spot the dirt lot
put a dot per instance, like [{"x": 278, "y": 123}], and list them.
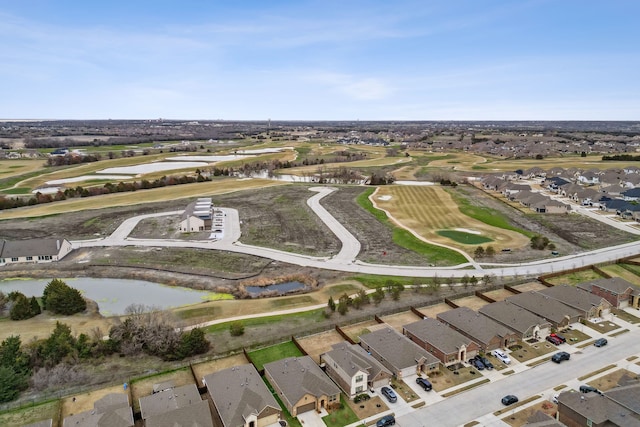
[
  {"x": 472, "y": 302},
  {"x": 206, "y": 368},
  {"x": 84, "y": 401},
  {"x": 357, "y": 329},
  {"x": 499, "y": 294},
  {"x": 531, "y": 286},
  {"x": 432, "y": 311},
  {"x": 398, "y": 320},
  {"x": 320, "y": 343}
]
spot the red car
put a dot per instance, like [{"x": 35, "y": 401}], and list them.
[
  {"x": 554, "y": 340},
  {"x": 560, "y": 337}
]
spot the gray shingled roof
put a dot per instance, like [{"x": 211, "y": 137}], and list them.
[
  {"x": 34, "y": 247},
  {"x": 627, "y": 396},
  {"x": 544, "y": 306},
  {"x": 168, "y": 400},
  {"x": 398, "y": 350},
  {"x": 352, "y": 358},
  {"x": 599, "y": 409},
  {"x": 196, "y": 415},
  {"x": 238, "y": 392},
  {"x": 297, "y": 376},
  {"x": 513, "y": 316},
  {"x": 614, "y": 284},
  {"x": 438, "y": 335},
  {"x": 196, "y": 206},
  {"x": 573, "y": 297},
  {"x": 540, "y": 419},
  {"x": 112, "y": 410},
  {"x": 479, "y": 327}
]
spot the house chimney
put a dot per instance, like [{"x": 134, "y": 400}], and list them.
[{"x": 58, "y": 244}]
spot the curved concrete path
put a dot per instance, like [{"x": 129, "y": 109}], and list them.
[{"x": 345, "y": 259}]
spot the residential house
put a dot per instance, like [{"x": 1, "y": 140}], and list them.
[
  {"x": 492, "y": 183},
  {"x": 553, "y": 183},
  {"x": 175, "y": 403},
  {"x": 589, "y": 305},
  {"x": 112, "y": 409},
  {"x": 589, "y": 178},
  {"x": 488, "y": 333},
  {"x": 353, "y": 369},
  {"x": 241, "y": 398},
  {"x": 558, "y": 314},
  {"x": 526, "y": 325},
  {"x": 445, "y": 343},
  {"x": 509, "y": 188},
  {"x": 33, "y": 251},
  {"x": 616, "y": 290},
  {"x": 540, "y": 419},
  {"x": 619, "y": 406},
  {"x": 301, "y": 384},
  {"x": 631, "y": 195},
  {"x": 397, "y": 353},
  {"x": 197, "y": 216}
]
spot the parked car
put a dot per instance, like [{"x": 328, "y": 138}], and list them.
[
  {"x": 560, "y": 356},
  {"x": 389, "y": 394},
  {"x": 554, "y": 399},
  {"x": 387, "y": 420},
  {"x": 486, "y": 362},
  {"x": 600, "y": 342},
  {"x": 554, "y": 340},
  {"x": 558, "y": 336},
  {"x": 584, "y": 388},
  {"x": 509, "y": 399},
  {"x": 424, "y": 383},
  {"x": 501, "y": 356},
  {"x": 477, "y": 363}
]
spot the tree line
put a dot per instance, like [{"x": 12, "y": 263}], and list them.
[{"x": 58, "y": 360}]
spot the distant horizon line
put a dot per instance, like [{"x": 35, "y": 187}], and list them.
[{"x": 4, "y": 120}]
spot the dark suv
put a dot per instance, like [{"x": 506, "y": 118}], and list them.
[
  {"x": 389, "y": 394},
  {"x": 560, "y": 356},
  {"x": 424, "y": 383},
  {"x": 487, "y": 364},
  {"x": 387, "y": 420},
  {"x": 585, "y": 388}
]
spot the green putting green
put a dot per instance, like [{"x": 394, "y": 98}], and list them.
[{"x": 463, "y": 237}]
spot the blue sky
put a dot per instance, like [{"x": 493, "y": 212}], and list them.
[{"x": 320, "y": 60}]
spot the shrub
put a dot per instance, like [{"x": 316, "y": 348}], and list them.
[{"x": 236, "y": 329}]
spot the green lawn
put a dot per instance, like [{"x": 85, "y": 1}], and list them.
[
  {"x": 340, "y": 417},
  {"x": 310, "y": 316},
  {"x": 486, "y": 215},
  {"x": 273, "y": 353},
  {"x": 464, "y": 238}
]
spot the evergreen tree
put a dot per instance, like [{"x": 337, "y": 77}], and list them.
[
  {"x": 21, "y": 308},
  {"x": 35, "y": 307}
]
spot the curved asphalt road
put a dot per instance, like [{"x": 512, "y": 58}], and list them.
[{"x": 345, "y": 260}]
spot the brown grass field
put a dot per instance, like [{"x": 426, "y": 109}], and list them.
[
  {"x": 427, "y": 209},
  {"x": 499, "y": 294},
  {"x": 531, "y": 286},
  {"x": 609, "y": 381},
  {"x": 357, "y": 329},
  {"x": 472, "y": 302},
  {"x": 616, "y": 270},
  {"x": 144, "y": 386},
  {"x": 432, "y": 311},
  {"x": 320, "y": 343},
  {"x": 200, "y": 189},
  {"x": 9, "y": 168},
  {"x": 520, "y": 418},
  {"x": 84, "y": 401},
  {"x": 398, "y": 320},
  {"x": 32, "y": 414},
  {"x": 206, "y": 368}
]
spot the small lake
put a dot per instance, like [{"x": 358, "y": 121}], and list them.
[
  {"x": 115, "y": 295},
  {"x": 281, "y": 288}
]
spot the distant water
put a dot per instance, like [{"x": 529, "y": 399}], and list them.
[
  {"x": 115, "y": 295},
  {"x": 282, "y": 288}
]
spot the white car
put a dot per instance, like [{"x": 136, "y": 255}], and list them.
[{"x": 501, "y": 356}]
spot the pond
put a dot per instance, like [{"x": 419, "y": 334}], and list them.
[
  {"x": 281, "y": 288},
  {"x": 115, "y": 295}
]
